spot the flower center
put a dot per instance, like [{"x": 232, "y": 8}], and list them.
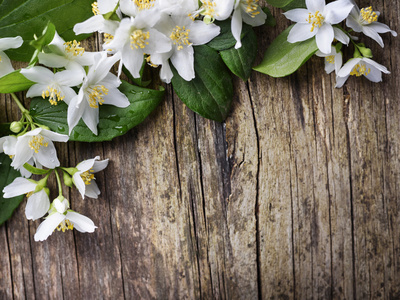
[
  {"x": 149, "y": 62},
  {"x": 251, "y": 7},
  {"x": 65, "y": 225},
  {"x": 315, "y": 20},
  {"x": 144, "y": 4},
  {"x": 108, "y": 38},
  {"x": 330, "y": 59},
  {"x": 53, "y": 94},
  {"x": 138, "y": 39},
  {"x": 87, "y": 176},
  {"x": 180, "y": 36},
  {"x": 360, "y": 69},
  {"x": 36, "y": 142},
  {"x": 96, "y": 95},
  {"x": 73, "y": 48},
  {"x": 368, "y": 15},
  {"x": 95, "y": 9}
]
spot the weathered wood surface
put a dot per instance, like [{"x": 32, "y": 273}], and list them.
[{"x": 295, "y": 196}]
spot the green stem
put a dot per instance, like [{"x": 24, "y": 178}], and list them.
[
  {"x": 24, "y": 111},
  {"x": 58, "y": 183}
]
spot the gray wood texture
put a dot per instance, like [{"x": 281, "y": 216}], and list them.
[{"x": 295, "y": 196}]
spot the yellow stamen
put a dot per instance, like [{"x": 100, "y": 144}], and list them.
[
  {"x": 65, "y": 225},
  {"x": 53, "y": 94},
  {"x": 138, "y": 39},
  {"x": 180, "y": 36},
  {"x": 73, "y": 47},
  {"x": 148, "y": 60},
  {"x": 96, "y": 95},
  {"x": 251, "y": 7},
  {"x": 368, "y": 15},
  {"x": 36, "y": 142},
  {"x": 208, "y": 10},
  {"x": 330, "y": 59},
  {"x": 95, "y": 9},
  {"x": 87, "y": 176},
  {"x": 144, "y": 4},
  {"x": 108, "y": 38},
  {"x": 315, "y": 20},
  {"x": 360, "y": 69},
  {"x": 29, "y": 194}
]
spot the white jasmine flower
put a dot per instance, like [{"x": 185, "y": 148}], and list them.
[
  {"x": 66, "y": 54},
  {"x": 84, "y": 178},
  {"x": 366, "y": 21},
  {"x": 5, "y": 44},
  {"x": 317, "y": 20},
  {"x": 62, "y": 218},
  {"x": 136, "y": 37},
  {"x": 38, "y": 201},
  {"x": 333, "y": 60},
  {"x": 249, "y": 12},
  {"x": 55, "y": 86},
  {"x": 183, "y": 33},
  {"x": 97, "y": 22},
  {"x": 133, "y": 8},
  {"x": 99, "y": 87},
  {"x": 37, "y": 144},
  {"x": 214, "y": 10},
  {"x": 360, "y": 66},
  {"x": 8, "y": 146}
]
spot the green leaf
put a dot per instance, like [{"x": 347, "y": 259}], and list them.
[
  {"x": 34, "y": 170},
  {"x": 14, "y": 82},
  {"x": 240, "y": 61},
  {"x": 7, "y": 175},
  {"x": 29, "y": 17},
  {"x": 114, "y": 121},
  {"x": 210, "y": 93},
  {"x": 270, "y": 21},
  {"x": 225, "y": 39},
  {"x": 283, "y": 58},
  {"x": 5, "y": 129},
  {"x": 287, "y": 3},
  {"x": 39, "y": 43}
]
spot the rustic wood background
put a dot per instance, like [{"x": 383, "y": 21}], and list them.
[{"x": 296, "y": 195}]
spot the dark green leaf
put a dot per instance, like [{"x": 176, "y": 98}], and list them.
[
  {"x": 14, "y": 82},
  {"x": 114, "y": 121},
  {"x": 285, "y": 4},
  {"x": 5, "y": 129},
  {"x": 283, "y": 58},
  {"x": 7, "y": 175},
  {"x": 29, "y": 17},
  {"x": 210, "y": 92},
  {"x": 240, "y": 61},
  {"x": 270, "y": 21},
  {"x": 225, "y": 39},
  {"x": 40, "y": 42}
]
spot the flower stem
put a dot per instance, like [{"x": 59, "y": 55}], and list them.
[
  {"x": 24, "y": 111},
  {"x": 58, "y": 183}
]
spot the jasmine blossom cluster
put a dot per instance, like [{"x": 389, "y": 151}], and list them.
[{"x": 321, "y": 21}]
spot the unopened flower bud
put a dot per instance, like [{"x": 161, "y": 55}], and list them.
[
  {"x": 366, "y": 52},
  {"x": 67, "y": 179},
  {"x": 16, "y": 127}
]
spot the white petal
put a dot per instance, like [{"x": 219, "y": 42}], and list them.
[
  {"x": 81, "y": 222},
  {"x": 183, "y": 61},
  {"x": 92, "y": 24},
  {"x": 5, "y": 64},
  {"x": 341, "y": 36},
  {"x": 201, "y": 33},
  {"x": 337, "y": 11},
  {"x": 52, "y": 60},
  {"x": 353, "y": 23},
  {"x": 381, "y": 28},
  {"x": 47, "y": 156},
  {"x": 47, "y": 227},
  {"x": 116, "y": 98},
  {"x": 340, "y": 81},
  {"x": 348, "y": 67},
  {"x": 18, "y": 187},
  {"x": 54, "y": 136},
  {"x": 299, "y": 15},
  {"x": 10, "y": 42},
  {"x": 37, "y": 206},
  {"x": 36, "y": 90},
  {"x": 23, "y": 153},
  {"x": 314, "y": 5},
  {"x": 374, "y": 75},
  {"x": 74, "y": 112},
  {"x": 91, "y": 118},
  {"x": 69, "y": 78},
  {"x": 100, "y": 165},
  {"x": 92, "y": 190},
  {"x": 132, "y": 60},
  {"x": 324, "y": 38},
  {"x": 80, "y": 185},
  {"x": 376, "y": 65},
  {"x": 254, "y": 20},
  {"x": 38, "y": 74},
  {"x": 300, "y": 32}
]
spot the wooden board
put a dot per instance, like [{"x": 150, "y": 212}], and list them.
[{"x": 296, "y": 195}]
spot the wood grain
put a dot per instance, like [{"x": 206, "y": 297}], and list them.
[{"x": 294, "y": 196}]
